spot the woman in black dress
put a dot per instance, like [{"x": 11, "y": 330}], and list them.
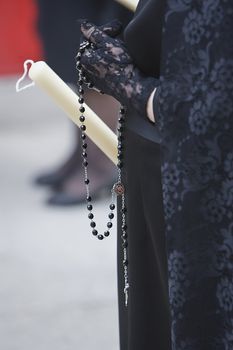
[
  {"x": 144, "y": 323},
  {"x": 192, "y": 91}
]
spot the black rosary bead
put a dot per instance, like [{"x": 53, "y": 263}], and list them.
[
  {"x": 120, "y": 147},
  {"x": 100, "y": 237},
  {"x": 112, "y": 206},
  {"x": 79, "y": 66},
  {"x": 95, "y": 232},
  {"x": 92, "y": 224},
  {"x": 80, "y": 80},
  {"x": 86, "y": 181},
  {"x": 120, "y": 164},
  {"x": 120, "y": 156},
  {"x": 122, "y": 110},
  {"x": 89, "y": 206},
  {"x": 85, "y": 163},
  {"x": 78, "y": 57},
  {"x": 82, "y": 109},
  {"x": 83, "y": 136},
  {"x": 81, "y": 100},
  {"x": 124, "y": 235},
  {"x": 106, "y": 233},
  {"x": 111, "y": 216},
  {"x": 90, "y": 216},
  {"x": 83, "y": 127},
  {"x": 84, "y": 145},
  {"x": 120, "y": 128},
  {"x": 124, "y": 227},
  {"x": 124, "y": 244},
  {"x": 82, "y": 118},
  {"x": 89, "y": 200},
  {"x": 125, "y": 262},
  {"x": 121, "y": 120},
  {"x": 109, "y": 224},
  {"x": 123, "y": 210},
  {"x": 81, "y": 91},
  {"x": 84, "y": 154}
]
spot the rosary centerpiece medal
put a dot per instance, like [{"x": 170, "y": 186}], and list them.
[{"x": 118, "y": 188}]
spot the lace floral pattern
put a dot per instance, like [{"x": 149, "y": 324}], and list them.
[
  {"x": 111, "y": 69},
  {"x": 195, "y": 113}
]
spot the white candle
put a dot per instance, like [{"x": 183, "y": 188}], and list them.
[
  {"x": 130, "y": 4},
  {"x": 55, "y": 87}
]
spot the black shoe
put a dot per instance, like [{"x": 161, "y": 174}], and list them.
[
  {"x": 56, "y": 178},
  {"x": 53, "y": 179}
]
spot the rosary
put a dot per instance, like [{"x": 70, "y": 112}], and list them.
[{"x": 118, "y": 188}]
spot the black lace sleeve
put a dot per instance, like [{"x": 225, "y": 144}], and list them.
[{"x": 110, "y": 67}]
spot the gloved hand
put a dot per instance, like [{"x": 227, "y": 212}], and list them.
[{"x": 111, "y": 69}]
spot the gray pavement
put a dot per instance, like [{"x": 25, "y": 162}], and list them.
[{"x": 58, "y": 286}]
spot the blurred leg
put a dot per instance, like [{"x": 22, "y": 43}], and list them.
[{"x": 101, "y": 170}]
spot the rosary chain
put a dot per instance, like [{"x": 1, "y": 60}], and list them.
[{"x": 118, "y": 187}]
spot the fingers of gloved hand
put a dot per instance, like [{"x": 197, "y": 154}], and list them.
[
  {"x": 112, "y": 28},
  {"x": 92, "y": 33},
  {"x": 94, "y": 63},
  {"x": 96, "y": 75},
  {"x": 107, "y": 58},
  {"x": 113, "y": 48}
]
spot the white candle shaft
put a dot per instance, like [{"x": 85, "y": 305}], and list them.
[
  {"x": 55, "y": 87},
  {"x": 130, "y": 4}
]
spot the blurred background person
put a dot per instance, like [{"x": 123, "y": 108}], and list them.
[
  {"x": 60, "y": 43},
  {"x": 58, "y": 283}
]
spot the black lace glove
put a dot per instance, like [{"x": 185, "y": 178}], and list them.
[{"x": 111, "y": 69}]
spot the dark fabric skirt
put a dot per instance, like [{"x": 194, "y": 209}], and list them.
[{"x": 145, "y": 322}]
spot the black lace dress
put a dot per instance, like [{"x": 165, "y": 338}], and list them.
[{"x": 194, "y": 108}]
